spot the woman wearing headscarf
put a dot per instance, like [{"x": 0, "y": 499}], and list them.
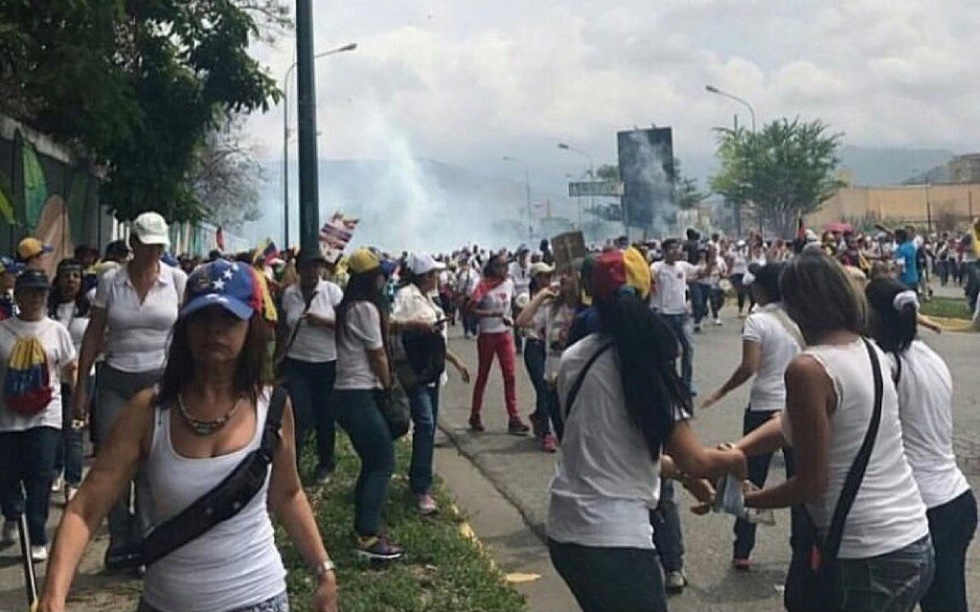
[
  {"x": 492, "y": 303},
  {"x": 135, "y": 307},
  {"x": 625, "y": 407},
  {"x": 925, "y": 406},
  {"x": 885, "y": 558},
  {"x": 208, "y": 416},
  {"x": 420, "y": 326}
]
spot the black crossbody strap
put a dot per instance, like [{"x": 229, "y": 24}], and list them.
[
  {"x": 580, "y": 379},
  {"x": 225, "y": 500},
  {"x": 299, "y": 322},
  {"x": 856, "y": 474}
]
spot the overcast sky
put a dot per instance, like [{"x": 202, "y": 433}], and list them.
[{"x": 472, "y": 80}]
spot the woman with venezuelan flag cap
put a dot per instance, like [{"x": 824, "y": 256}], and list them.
[{"x": 625, "y": 408}]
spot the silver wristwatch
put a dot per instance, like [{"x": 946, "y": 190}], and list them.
[{"x": 324, "y": 568}]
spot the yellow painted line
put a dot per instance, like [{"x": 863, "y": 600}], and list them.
[{"x": 519, "y": 578}]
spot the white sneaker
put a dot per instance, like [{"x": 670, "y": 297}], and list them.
[
  {"x": 9, "y": 534},
  {"x": 70, "y": 492},
  {"x": 427, "y": 504},
  {"x": 58, "y": 483},
  {"x": 717, "y": 321},
  {"x": 39, "y": 554}
]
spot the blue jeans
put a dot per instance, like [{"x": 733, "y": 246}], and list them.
[
  {"x": 893, "y": 582},
  {"x": 424, "y": 403},
  {"x": 678, "y": 324},
  {"x": 610, "y": 579},
  {"x": 27, "y": 457},
  {"x": 667, "y": 534},
  {"x": 310, "y": 387},
  {"x": 360, "y": 417},
  {"x": 69, "y": 456},
  {"x": 951, "y": 527},
  {"x": 534, "y": 362},
  {"x": 699, "y": 301},
  {"x": 758, "y": 468}
]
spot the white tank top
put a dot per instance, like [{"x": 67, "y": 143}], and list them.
[
  {"x": 888, "y": 513},
  {"x": 234, "y": 564}
]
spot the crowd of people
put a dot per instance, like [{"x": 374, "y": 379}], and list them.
[{"x": 172, "y": 365}]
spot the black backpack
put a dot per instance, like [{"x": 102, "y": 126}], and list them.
[{"x": 426, "y": 354}]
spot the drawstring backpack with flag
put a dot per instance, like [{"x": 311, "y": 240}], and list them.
[{"x": 27, "y": 384}]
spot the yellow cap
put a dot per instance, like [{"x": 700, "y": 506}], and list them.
[{"x": 363, "y": 260}]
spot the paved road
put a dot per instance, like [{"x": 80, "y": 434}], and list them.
[{"x": 522, "y": 472}]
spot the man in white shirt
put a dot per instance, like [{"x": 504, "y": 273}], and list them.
[
  {"x": 466, "y": 283},
  {"x": 669, "y": 300}
]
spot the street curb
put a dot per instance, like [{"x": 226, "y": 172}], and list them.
[{"x": 538, "y": 529}]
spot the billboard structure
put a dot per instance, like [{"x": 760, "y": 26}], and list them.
[{"x": 646, "y": 167}]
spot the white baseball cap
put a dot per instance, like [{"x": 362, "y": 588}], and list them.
[
  {"x": 151, "y": 228},
  {"x": 423, "y": 263}
]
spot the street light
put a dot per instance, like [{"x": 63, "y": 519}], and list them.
[
  {"x": 527, "y": 190},
  {"x": 565, "y": 147},
  {"x": 715, "y": 90},
  {"x": 285, "y": 135}
]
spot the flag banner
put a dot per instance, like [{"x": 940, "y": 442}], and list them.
[{"x": 335, "y": 235}]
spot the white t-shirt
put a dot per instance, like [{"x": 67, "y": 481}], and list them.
[
  {"x": 925, "y": 405},
  {"x": 670, "y": 286},
  {"x": 888, "y": 513},
  {"x": 769, "y": 327},
  {"x": 521, "y": 275},
  {"x": 138, "y": 334},
  {"x": 57, "y": 344},
  {"x": 500, "y": 299},
  {"x": 467, "y": 281},
  {"x": 714, "y": 277},
  {"x": 313, "y": 343},
  {"x": 76, "y": 325},
  {"x": 605, "y": 481},
  {"x": 361, "y": 333},
  {"x": 740, "y": 263}
]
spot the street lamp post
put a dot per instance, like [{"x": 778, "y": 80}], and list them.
[
  {"x": 285, "y": 136},
  {"x": 714, "y": 90},
  {"x": 527, "y": 191},
  {"x": 566, "y": 147}
]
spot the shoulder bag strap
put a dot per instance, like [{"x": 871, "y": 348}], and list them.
[
  {"x": 856, "y": 474},
  {"x": 573, "y": 392},
  {"x": 226, "y": 499},
  {"x": 299, "y": 322}
]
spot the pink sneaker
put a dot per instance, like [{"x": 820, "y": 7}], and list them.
[
  {"x": 427, "y": 504},
  {"x": 549, "y": 444}
]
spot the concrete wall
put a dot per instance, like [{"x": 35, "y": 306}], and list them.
[{"x": 923, "y": 205}]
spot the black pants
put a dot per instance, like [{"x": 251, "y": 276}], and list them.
[
  {"x": 758, "y": 468},
  {"x": 951, "y": 527},
  {"x": 610, "y": 579}
]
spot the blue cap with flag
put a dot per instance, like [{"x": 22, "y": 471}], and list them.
[{"x": 230, "y": 285}]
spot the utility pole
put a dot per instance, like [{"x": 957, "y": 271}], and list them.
[{"x": 309, "y": 198}]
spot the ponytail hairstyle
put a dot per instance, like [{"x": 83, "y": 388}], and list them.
[
  {"x": 894, "y": 314},
  {"x": 646, "y": 352}
]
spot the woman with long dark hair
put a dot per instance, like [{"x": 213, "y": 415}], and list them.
[
  {"x": 625, "y": 406},
  {"x": 885, "y": 559},
  {"x": 420, "y": 324},
  {"x": 184, "y": 438},
  {"x": 69, "y": 305},
  {"x": 925, "y": 406},
  {"x": 364, "y": 372},
  {"x": 492, "y": 303}
]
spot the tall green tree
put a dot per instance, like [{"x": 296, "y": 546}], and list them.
[
  {"x": 785, "y": 169},
  {"x": 136, "y": 86}
]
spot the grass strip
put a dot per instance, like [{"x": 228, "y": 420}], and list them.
[
  {"x": 946, "y": 308},
  {"x": 442, "y": 569}
]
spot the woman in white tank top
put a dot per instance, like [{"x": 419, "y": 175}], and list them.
[
  {"x": 186, "y": 437},
  {"x": 925, "y": 403},
  {"x": 885, "y": 562}
]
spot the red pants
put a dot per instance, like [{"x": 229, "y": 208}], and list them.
[{"x": 503, "y": 345}]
